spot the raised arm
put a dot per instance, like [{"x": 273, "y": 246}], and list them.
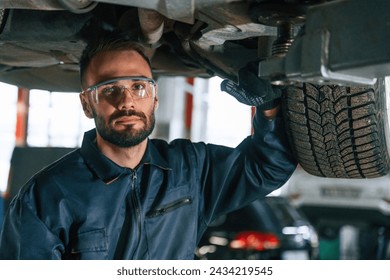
[{"x": 263, "y": 162}]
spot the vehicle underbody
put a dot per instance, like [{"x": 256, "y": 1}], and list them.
[{"x": 330, "y": 58}]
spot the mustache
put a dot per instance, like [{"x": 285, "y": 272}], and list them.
[{"x": 127, "y": 113}]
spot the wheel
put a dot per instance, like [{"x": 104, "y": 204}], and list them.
[{"x": 337, "y": 131}]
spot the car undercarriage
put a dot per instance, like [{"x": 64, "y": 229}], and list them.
[{"x": 330, "y": 58}]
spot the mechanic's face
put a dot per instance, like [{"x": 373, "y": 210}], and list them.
[{"x": 125, "y": 120}]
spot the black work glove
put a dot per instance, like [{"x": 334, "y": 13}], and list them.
[{"x": 252, "y": 90}]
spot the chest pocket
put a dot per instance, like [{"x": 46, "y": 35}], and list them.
[
  {"x": 170, "y": 229},
  {"x": 169, "y": 207},
  {"x": 90, "y": 245}
]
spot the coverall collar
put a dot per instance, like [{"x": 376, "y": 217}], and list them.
[{"x": 107, "y": 170}]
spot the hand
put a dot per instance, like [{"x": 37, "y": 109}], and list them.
[{"x": 252, "y": 90}]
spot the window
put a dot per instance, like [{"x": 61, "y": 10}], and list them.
[
  {"x": 9, "y": 97},
  {"x": 56, "y": 119}
]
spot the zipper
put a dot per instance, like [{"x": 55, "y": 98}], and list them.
[
  {"x": 137, "y": 208},
  {"x": 169, "y": 207},
  {"x": 130, "y": 235}
]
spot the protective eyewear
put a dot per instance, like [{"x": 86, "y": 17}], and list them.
[{"x": 112, "y": 90}]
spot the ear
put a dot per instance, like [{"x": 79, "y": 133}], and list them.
[
  {"x": 155, "y": 102},
  {"x": 155, "y": 99},
  {"x": 86, "y": 106}
]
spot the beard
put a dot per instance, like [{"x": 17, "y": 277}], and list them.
[{"x": 129, "y": 137}]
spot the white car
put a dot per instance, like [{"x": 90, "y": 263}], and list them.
[
  {"x": 360, "y": 200},
  {"x": 354, "y": 213}
]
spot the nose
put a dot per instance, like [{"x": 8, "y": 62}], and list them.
[{"x": 126, "y": 100}]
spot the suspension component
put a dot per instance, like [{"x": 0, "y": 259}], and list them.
[
  {"x": 284, "y": 39},
  {"x": 287, "y": 16}
]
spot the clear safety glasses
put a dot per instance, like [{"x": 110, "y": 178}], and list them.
[{"x": 112, "y": 90}]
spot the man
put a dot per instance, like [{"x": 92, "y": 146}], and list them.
[{"x": 125, "y": 196}]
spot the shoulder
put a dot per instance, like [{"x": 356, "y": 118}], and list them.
[
  {"x": 179, "y": 147},
  {"x": 54, "y": 173},
  {"x": 65, "y": 164},
  {"x": 176, "y": 152},
  {"x": 174, "y": 144}
]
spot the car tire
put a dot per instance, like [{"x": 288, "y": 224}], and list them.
[{"x": 337, "y": 131}]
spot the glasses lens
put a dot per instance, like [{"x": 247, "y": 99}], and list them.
[
  {"x": 141, "y": 89},
  {"x": 113, "y": 92},
  {"x": 110, "y": 91}
]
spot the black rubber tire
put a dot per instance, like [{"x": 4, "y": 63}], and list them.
[{"x": 336, "y": 131}]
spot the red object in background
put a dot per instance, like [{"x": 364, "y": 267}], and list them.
[
  {"x": 189, "y": 103},
  {"x": 253, "y": 240},
  {"x": 22, "y": 117}
]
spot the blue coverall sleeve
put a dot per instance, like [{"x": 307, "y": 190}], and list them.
[
  {"x": 24, "y": 236},
  {"x": 232, "y": 178}
]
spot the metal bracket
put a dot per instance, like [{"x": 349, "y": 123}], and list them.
[{"x": 344, "y": 42}]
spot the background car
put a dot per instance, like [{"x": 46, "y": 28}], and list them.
[
  {"x": 351, "y": 216},
  {"x": 270, "y": 228}
]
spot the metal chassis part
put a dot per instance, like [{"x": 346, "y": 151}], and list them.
[{"x": 344, "y": 42}]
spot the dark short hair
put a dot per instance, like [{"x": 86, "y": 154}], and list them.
[{"x": 110, "y": 42}]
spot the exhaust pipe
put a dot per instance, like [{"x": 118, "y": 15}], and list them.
[{"x": 152, "y": 25}]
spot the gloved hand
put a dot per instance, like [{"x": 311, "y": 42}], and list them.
[{"x": 252, "y": 90}]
